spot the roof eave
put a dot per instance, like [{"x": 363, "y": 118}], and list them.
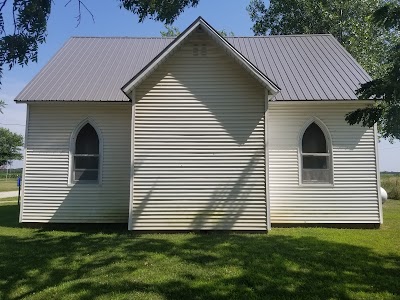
[{"x": 145, "y": 72}]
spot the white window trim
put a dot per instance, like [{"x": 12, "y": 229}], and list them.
[
  {"x": 72, "y": 142},
  {"x": 329, "y": 147}
]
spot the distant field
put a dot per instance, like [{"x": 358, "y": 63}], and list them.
[
  {"x": 12, "y": 173},
  {"x": 8, "y": 185},
  {"x": 391, "y": 183}
]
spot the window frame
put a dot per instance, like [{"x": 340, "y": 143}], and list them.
[
  {"x": 328, "y": 154},
  {"x": 72, "y": 155}
]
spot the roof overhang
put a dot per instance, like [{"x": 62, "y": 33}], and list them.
[{"x": 200, "y": 23}]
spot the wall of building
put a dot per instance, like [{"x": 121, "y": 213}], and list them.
[
  {"x": 353, "y": 196},
  {"x": 199, "y": 144},
  {"x": 48, "y": 195}
]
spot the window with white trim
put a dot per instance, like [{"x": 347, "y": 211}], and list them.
[
  {"x": 315, "y": 156},
  {"x": 86, "y": 155}
]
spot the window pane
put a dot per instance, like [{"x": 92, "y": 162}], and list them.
[
  {"x": 315, "y": 162},
  {"x": 86, "y": 162},
  {"x": 87, "y": 141},
  {"x": 82, "y": 175},
  {"x": 316, "y": 176},
  {"x": 314, "y": 140}
]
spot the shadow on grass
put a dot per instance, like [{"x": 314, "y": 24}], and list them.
[
  {"x": 85, "y": 265},
  {"x": 9, "y": 215}
]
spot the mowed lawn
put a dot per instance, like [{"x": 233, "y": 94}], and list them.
[
  {"x": 307, "y": 263},
  {"x": 8, "y": 185}
]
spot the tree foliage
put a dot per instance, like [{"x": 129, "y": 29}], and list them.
[
  {"x": 10, "y": 146},
  {"x": 225, "y": 33},
  {"x": 159, "y": 10},
  {"x": 385, "y": 89},
  {"x": 348, "y": 21},
  {"x": 19, "y": 41},
  {"x": 2, "y": 106},
  {"x": 27, "y": 31},
  {"x": 170, "y": 31}
]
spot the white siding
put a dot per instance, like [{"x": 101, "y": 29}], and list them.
[
  {"x": 47, "y": 195},
  {"x": 199, "y": 144},
  {"x": 352, "y": 199}
]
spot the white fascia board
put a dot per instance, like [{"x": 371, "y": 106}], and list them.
[
  {"x": 322, "y": 102},
  {"x": 272, "y": 87}
]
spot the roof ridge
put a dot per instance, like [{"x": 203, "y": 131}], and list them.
[
  {"x": 121, "y": 37},
  {"x": 231, "y": 37},
  {"x": 281, "y": 35}
]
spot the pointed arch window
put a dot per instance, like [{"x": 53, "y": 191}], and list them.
[
  {"x": 316, "y": 166},
  {"x": 86, "y": 155}
]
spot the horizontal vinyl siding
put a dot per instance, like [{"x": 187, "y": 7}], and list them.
[
  {"x": 352, "y": 199},
  {"x": 47, "y": 195},
  {"x": 199, "y": 145}
]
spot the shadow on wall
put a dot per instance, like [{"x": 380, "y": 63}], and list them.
[
  {"x": 239, "y": 116},
  {"x": 228, "y": 202},
  {"x": 224, "y": 208},
  {"x": 222, "y": 118},
  {"x": 84, "y": 202},
  {"x": 51, "y": 264}
]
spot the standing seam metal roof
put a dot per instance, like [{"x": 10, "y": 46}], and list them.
[{"x": 305, "y": 67}]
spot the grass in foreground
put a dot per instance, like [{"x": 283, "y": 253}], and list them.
[
  {"x": 391, "y": 183},
  {"x": 308, "y": 263},
  {"x": 8, "y": 185}
]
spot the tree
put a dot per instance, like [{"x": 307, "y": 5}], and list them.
[
  {"x": 2, "y": 106},
  {"x": 10, "y": 146},
  {"x": 158, "y": 10},
  {"x": 171, "y": 31},
  {"x": 385, "y": 89},
  {"x": 29, "y": 23},
  {"x": 348, "y": 21},
  {"x": 224, "y": 33}
]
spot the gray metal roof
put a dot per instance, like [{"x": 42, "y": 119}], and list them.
[{"x": 305, "y": 67}]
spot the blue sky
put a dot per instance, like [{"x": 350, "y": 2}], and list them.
[{"x": 110, "y": 20}]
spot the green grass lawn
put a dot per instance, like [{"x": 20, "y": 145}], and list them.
[
  {"x": 8, "y": 185},
  {"x": 307, "y": 263}
]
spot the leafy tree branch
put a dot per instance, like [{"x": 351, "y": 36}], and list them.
[
  {"x": 386, "y": 88},
  {"x": 10, "y": 146},
  {"x": 2, "y": 106},
  {"x": 348, "y": 21},
  {"x": 30, "y": 17}
]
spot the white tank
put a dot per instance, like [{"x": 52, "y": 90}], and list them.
[{"x": 383, "y": 195}]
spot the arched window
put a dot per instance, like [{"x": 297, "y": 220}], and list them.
[
  {"x": 86, "y": 155},
  {"x": 315, "y": 156}
]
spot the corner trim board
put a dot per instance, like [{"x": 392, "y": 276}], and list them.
[
  {"x": 378, "y": 174},
  {"x": 130, "y": 221},
  {"x": 21, "y": 208}
]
